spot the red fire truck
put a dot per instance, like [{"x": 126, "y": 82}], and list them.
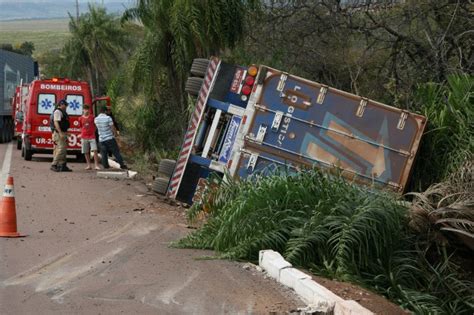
[
  {"x": 18, "y": 107},
  {"x": 42, "y": 97}
]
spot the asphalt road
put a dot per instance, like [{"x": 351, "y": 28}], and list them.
[{"x": 100, "y": 246}]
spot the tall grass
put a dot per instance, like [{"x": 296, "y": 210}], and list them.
[
  {"x": 333, "y": 227},
  {"x": 449, "y": 138},
  {"x": 444, "y": 213}
]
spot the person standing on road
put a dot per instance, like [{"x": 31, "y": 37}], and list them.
[
  {"x": 51, "y": 125},
  {"x": 86, "y": 122},
  {"x": 60, "y": 126},
  {"x": 107, "y": 134},
  {"x": 111, "y": 115},
  {"x": 108, "y": 112}
]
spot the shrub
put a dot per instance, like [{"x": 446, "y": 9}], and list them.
[
  {"x": 335, "y": 228},
  {"x": 449, "y": 137}
]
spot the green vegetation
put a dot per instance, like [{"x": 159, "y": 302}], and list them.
[
  {"x": 444, "y": 214},
  {"x": 46, "y": 35},
  {"x": 176, "y": 32},
  {"x": 94, "y": 49},
  {"x": 449, "y": 139},
  {"x": 416, "y": 54},
  {"x": 25, "y": 48},
  {"x": 382, "y": 51},
  {"x": 335, "y": 229}
]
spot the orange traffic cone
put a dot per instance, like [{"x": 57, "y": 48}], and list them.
[{"x": 8, "y": 211}]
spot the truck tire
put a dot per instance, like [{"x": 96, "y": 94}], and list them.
[
  {"x": 199, "y": 67},
  {"x": 3, "y": 134},
  {"x": 193, "y": 85},
  {"x": 80, "y": 158},
  {"x": 166, "y": 168},
  {"x": 28, "y": 154},
  {"x": 8, "y": 133},
  {"x": 18, "y": 143},
  {"x": 160, "y": 185},
  {"x": 11, "y": 132}
]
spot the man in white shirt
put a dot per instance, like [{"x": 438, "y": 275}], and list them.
[{"x": 107, "y": 143}]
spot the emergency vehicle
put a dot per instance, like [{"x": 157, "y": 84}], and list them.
[
  {"x": 18, "y": 107},
  {"x": 42, "y": 97},
  {"x": 254, "y": 119}
]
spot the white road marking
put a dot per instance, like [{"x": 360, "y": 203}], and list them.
[
  {"x": 62, "y": 274},
  {"x": 169, "y": 295},
  {"x": 7, "y": 161}
]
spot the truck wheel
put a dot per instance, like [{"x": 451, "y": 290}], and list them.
[
  {"x": 12, "y": 134},
  {"x": 199, "y": 67},
  {"x": 28, "y": 154},
  {"x": 18, "y": 143},
  {"x": 80, "y": 158},
  {"x": 160, "y": 185},
  {"x": 3, "y": 134},
  {"x": 193, "y": 85},
  {"x": 166, "y": 168},
  {"x": 10, "y": 130}
]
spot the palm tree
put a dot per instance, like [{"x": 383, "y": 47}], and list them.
[
  {"x": 178, "y": 31},
  {"x": 95, "y": 47}
]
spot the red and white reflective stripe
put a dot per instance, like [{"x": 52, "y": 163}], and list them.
[{"x": 192, "y": 129}]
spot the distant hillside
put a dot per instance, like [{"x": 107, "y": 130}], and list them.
[
  {"x": 47, "y": 9},
  {"x": 45, "y": 34}
]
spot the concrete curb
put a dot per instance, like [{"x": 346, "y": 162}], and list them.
[
  {"x": 319, "y": 298},
  {"x": 117, "y": 175}
]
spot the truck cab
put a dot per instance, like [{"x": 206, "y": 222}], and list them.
[{"x": 41, "y": 100}]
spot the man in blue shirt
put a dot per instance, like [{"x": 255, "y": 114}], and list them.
[{"x": 107, "y": 133}]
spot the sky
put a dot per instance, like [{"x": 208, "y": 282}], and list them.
[
  {"x": 61, "y": 1},
  {"x": 47, "y": 9}
]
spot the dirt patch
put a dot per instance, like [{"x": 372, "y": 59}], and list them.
[{"x": 372, "y": 301}]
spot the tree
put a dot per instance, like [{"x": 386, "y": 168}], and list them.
[
  {"x": 8, "y": 47},
  {"x": 176, "y": 32},
  {"x": 381, "y": 49},
  {"x": 25, "y": 48},
  {"x": 95, "y": 47},
  {"x": 52, "y": 63}
]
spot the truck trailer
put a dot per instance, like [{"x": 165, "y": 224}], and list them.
[
  {"x": 15, "y": 69},
  {"x": 254, "y": 119}
]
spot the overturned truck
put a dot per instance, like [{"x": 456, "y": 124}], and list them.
[{"x": 254, "y": 119}]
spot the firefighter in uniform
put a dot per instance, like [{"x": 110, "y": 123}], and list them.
[{"x": 60, "y": 125}]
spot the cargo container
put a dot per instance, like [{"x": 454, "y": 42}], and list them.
[
  {"x": 252, "y": 120},
  {"x": 15, "y": 69}
]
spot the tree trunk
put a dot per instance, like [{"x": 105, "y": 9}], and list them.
[
  {"x": 91, "y": 83},
  {"x": 97, "y": 81}
]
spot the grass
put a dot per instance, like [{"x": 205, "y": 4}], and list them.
[
  {"x": 45, "y": 34},
  {"x": 449, "y": 137},
  {"x": 336, "y": 229}
]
